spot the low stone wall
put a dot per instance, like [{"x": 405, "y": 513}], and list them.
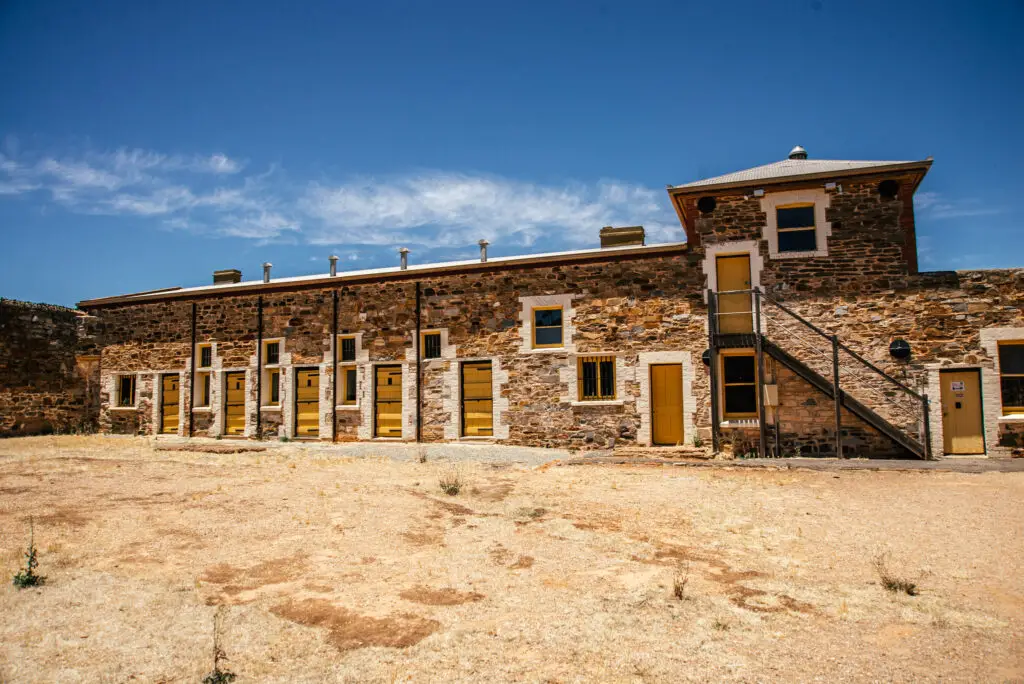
[{"x": 49, "y": 372}]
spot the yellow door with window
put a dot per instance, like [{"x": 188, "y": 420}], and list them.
[
  {"x": 307, "y": 402},
  {"x": 477, "y": 401},
  {"x": 734, "y": 310},
  {"x": 962, "y": 431},
  {"x": 388, "y": 401},
  {"x": 667, "y": 403},
  {"x": 169, "y": 413},
  {"x": 234, "y": 403}
]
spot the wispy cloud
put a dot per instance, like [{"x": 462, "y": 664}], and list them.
[
  {"x": 213, "y": 195},
  {"x": 448, "y": 209},
  {"x": 936, "y": 206}
]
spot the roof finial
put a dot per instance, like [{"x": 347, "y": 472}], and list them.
[{"x": 798, "y": 153}]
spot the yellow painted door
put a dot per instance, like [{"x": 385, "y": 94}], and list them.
[
  {"x": 734, "y": 310},
  {"x": 477, "y": 401},
  {"x": 169, "y": 413},
  {"x": 234, "y": 403},
  {"x": 961, "y": 413},
  {"x": 307, "y": 402},
  {"x": 667, "y": 404},
  {"x": 388, "y": 401}
]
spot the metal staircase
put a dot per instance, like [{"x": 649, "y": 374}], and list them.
[{"x": 820, "y": 359}]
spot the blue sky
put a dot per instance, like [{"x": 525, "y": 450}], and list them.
[{"x": 145, "y": 145}]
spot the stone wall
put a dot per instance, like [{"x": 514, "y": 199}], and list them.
[
  {"x": 49, "y": 373},
  {"x": 637, "y": 309},
  {"x": 623, "y": 308}
]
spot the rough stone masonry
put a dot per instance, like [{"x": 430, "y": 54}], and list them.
[{"x": 634, "y": 306}]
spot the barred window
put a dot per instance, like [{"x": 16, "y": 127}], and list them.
[
  {"x": 348, "y": 349},
  {"x": 596, "y": 376},
  {"x": 205, "y": 356},
  {"x": 432, "y": 345},
  {"x": 126, "y": 390},
  {"x": 273, "y": 355}
]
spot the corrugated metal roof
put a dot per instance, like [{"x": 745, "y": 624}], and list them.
[
  {"x": 793, "y": 168},
  {"x": 426, "y": 269}
]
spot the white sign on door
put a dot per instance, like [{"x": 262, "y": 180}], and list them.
[{"x": 957, "y": 386}]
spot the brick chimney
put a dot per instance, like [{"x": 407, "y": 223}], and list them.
[
  {"x": 227, "y": 275},
  {"x": 623, "y": 236}
]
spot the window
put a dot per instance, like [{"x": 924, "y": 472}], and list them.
[
  {"x": 126, "y": 390},
  {"x": 1011, "y": 376},
  {"x": 203, "y": 385},
  {"x": 347, "y": 351},
  {"x": 348, "y": 386},
  {"x": 739, "y": 386},
  {"x": 596, "y": 375},
  {"x": 272, "y": 353},
  {"x": 547, "y": 326},
  {"x": 273, "y": 387},
  {"x": 796, "y": 228},
  {"x": 205, "y": 356},
  {"x": 432, "y": 345}
]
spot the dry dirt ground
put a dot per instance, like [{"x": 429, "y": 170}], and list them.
[{"x": 342, "y": 569}]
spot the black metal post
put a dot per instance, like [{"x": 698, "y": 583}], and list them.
[
  {"x": 419, "y": 373},
  {"x": 259, "y": 365},
  {"x": 192, "y": 375},
  {"x": 927, "y": 428},
  {"x": 838, "y": 396},
  {"x": 760, "y": 376},
  {"x": 713, "y": 370},
  {"x": 334, "y": 368}
]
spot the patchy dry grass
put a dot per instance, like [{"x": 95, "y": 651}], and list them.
[{"x": 338, "y": 569}]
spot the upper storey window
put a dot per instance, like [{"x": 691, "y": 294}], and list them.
[
  {"x": 796, "y": 228},
  {"x": 795, "y": 223}
]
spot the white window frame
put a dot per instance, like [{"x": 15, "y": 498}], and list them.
[{"x": 821, "y": 200}]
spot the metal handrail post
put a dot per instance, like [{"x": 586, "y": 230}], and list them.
[
  {"x": 760, "y": 375},
  {"x": 838, "y": 396}
]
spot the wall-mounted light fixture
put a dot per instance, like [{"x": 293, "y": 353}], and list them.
[
  {"x": 759, "y": 192},
  {"x": 899, "y": 349}
]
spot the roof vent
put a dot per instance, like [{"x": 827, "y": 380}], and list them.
[
  {"x": 623, "y": 236},
  {"x": 266, "y": 271},
  {"x": 227, "y": 275},
  {"x": 798, "y": 153}
]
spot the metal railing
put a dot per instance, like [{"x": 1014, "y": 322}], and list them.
[{"x": 850, "y": 374}]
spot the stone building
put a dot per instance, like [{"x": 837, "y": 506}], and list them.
[{"x": 794, "y": 278}]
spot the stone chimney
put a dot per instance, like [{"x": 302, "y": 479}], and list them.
[
  {"x": 483, "y": 250},
  {"x": 266, "y": 271},
  {"x": 334, "y": 265},
  {"x": 227, "y": 275},
  {"x": 404, "y": 253},
  {"x": 624, "y": 236}
]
